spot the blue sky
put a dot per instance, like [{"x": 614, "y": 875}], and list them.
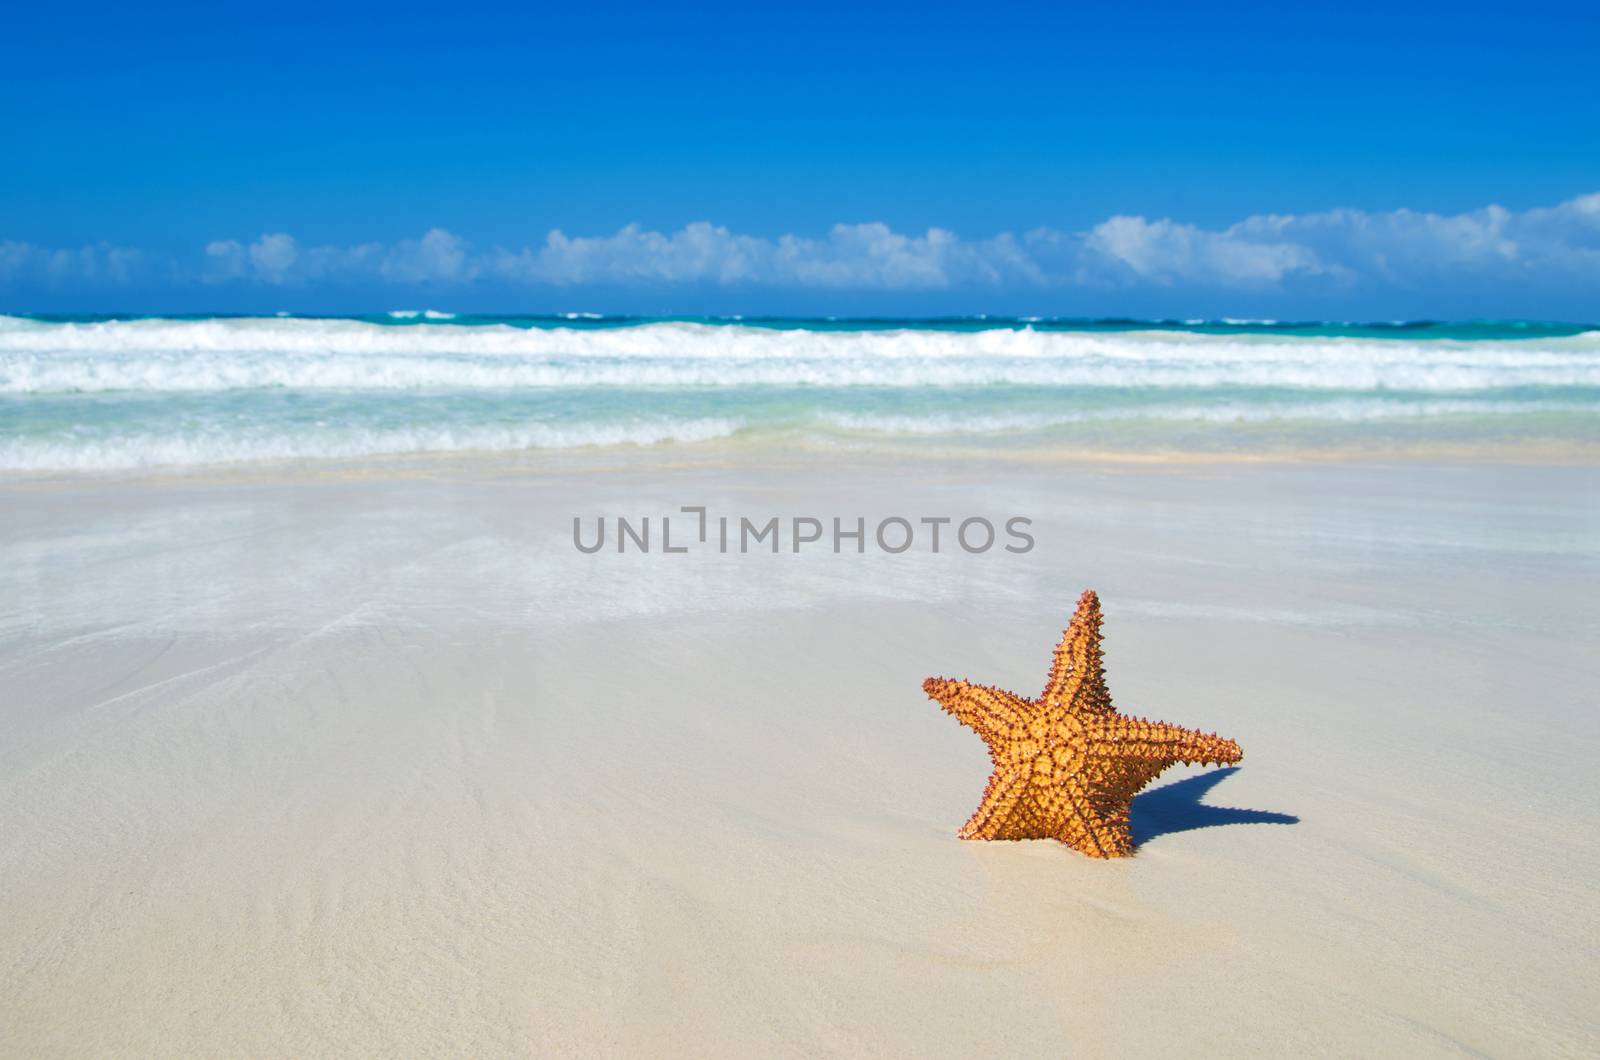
[{"x": 1239, "y": 159}]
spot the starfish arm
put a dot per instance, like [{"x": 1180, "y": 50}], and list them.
[
  {"x": 989, "y": 712},
  {"x": 1120, "y": 738},
  {"x": 1109, "y": 838},
  {"x": 1115, "y": 838},
  {"x": 993, "y": 817},
  {"x": 1077, "y": 671},
  {"x": 1078, "y": 820}
]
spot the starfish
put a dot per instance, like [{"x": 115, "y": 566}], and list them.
[{"x": 1067, "y": 765}]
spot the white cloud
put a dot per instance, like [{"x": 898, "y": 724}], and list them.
[
  {"x": 225, "y": 260},
  {"x": 699, "y": 252},
  {"x": 271, "y": 259},
  {"x": 871, "y": 255},
  {"x": 863, "y": 256},
  {"x": 1251, "y": 252},
  {"x": 99, "y": 263},
  {"x": 273, "y": 256},
  {"x": 1334, "y": 250},
  {"x": 276, "y": 258},
  {"x": 438, "y": 257}
]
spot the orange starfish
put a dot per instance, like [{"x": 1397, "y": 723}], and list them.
[{"x": 1067, "y": 765}]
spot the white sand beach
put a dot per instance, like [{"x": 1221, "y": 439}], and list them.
[{"x": 369, "y": 759}]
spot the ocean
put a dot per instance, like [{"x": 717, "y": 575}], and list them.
[{"x": 104, "y": 393}]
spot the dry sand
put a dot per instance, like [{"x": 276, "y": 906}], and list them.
[{"x": 329, "y": 764}]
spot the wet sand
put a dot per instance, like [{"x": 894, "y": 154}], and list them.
[{"x": 362, "y": 760}]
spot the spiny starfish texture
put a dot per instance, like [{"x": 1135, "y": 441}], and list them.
[{"x": 1067, "y": 765}]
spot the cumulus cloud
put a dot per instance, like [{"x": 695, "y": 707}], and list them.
[
  {"x": 1397, "y": 248},
  {"x": 1166, "y": 252},
  {"x": 869, "y": 256},
  {"x": 273, "y": 256},
  {"x": 276, "y": 258},
  {"x": 438, "y": 257},
  {"x": 1334, "y": 250},
  {"x": 99, "y": 263}
]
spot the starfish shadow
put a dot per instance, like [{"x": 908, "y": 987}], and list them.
[{"x": 1176, "y": 807}]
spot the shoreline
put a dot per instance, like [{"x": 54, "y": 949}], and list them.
[{"x": 723, "y": 454}]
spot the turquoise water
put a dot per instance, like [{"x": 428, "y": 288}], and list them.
[
  {"x": 116, "y": 392},
  {"x": 1420, "y": 329}
]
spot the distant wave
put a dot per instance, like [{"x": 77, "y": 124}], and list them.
[
  {"x": 226, "y": 354},
  {"x": 423, "y": 314}
]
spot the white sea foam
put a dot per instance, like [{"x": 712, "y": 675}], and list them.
[
  {"x": 162, "y": 355},
  {"x": 1297, "y": 413},
  {"x": 144, "y": 449}
]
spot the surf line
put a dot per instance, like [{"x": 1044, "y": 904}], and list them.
[{"x": 741, "y": 535}]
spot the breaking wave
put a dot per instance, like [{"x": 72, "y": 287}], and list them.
[
  {"x": 114, "y": 395},
  {"x": 228, "y": 354}
]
